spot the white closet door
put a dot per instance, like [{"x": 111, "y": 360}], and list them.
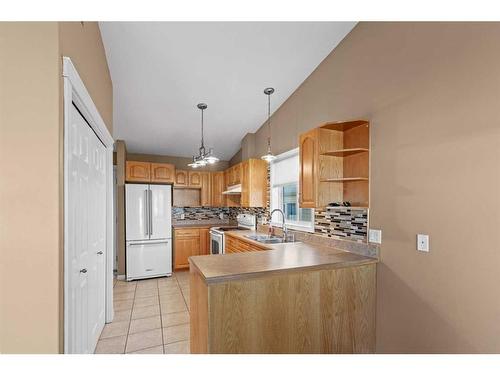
[
  {"x": 78, "y": 243},
  {"x": 97, "y": 238},
  {"x": 86, "y": 236}
]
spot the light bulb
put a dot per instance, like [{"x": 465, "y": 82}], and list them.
[{"x": 269, "y": 157}]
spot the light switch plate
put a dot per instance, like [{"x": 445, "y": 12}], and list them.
[
  {"x": 423, "y": 242},
  {"x": 375, "y": 235}
]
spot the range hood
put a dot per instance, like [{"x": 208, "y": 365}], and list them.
[{"x": 233, "y": 190}]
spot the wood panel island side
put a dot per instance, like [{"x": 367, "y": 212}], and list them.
[{"x": 292, "y": 298}]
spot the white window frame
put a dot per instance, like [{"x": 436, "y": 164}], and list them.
[{"x": 290, "y": 225}]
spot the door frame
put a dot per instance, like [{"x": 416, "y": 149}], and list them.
[{"x": 75, "y": 92}]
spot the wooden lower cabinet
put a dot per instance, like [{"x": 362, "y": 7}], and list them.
[
  {"x": 204, "y": 241},
  {"x": 237, "y": 245},
  {"x": 329, "y": 310},
  {"x": 186, "y": 244},
  {"x": 189, "y": 242},
  {"x": 184, "y": 248}
]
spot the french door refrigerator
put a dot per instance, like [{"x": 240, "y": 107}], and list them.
[{"x": 148, "y": 212}]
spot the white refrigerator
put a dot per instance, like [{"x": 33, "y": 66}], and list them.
[{"x": 148, "y": 212}]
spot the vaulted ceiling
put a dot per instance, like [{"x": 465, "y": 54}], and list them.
[{"x": 161, "y": 70}]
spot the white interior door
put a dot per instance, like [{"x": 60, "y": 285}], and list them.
[
  {"x": 137, "y": 211},
  {"x": 97, "y": 239},
  {"x": 161, "y": 207},
  {"x": 86, "y": 235}
]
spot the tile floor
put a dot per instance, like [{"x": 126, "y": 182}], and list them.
[{"x": 151, "y": 317}]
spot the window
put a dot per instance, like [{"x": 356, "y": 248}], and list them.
[{"x": 284, "y": 193}]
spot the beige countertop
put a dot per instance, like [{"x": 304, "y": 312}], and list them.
[{"x": 279, "y": 258}]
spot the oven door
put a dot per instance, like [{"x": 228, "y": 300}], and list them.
[{"x": 216, "y": 243}]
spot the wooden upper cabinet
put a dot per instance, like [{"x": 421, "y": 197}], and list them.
[
  {"x": 206, "y": 189},
  {"x": 181, "y": 178},
  {"x": 307, "y": 166},
  {"x": 245, "y": 183},
  {"x": 237, "y": 174},
  {"x": 194, "y": 179},
  {"x": 230, "y": 176},
  {"x": 217, "y": 187},
  {"x": 162, "y": 172},
  {"x": 253, "y": 183},
  {"x": 137, "y": 171}
]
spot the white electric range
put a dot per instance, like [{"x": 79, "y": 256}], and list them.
[{"x": 245, "y": 222}]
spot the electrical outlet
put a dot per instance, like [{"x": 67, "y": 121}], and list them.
[
  {"x": 423, "y": 242},
  {"x": 221, "y": 216},
  {"x": 375, "y": 235},
  {"x": 182, "y": 216}
]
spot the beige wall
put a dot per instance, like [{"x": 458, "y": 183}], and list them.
[
  {"x": 31, "y": 196},
  {"x": 431, "y": 92},
  {"x": 30, "y": 264},
  {"x": 236, "y": 158},
  {"x": 82, "y": 42}
]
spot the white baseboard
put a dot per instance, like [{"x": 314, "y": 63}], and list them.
[{"x": 120, "y": 277}]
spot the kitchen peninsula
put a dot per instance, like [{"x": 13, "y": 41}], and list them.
[{"x": 289, "y": 298}]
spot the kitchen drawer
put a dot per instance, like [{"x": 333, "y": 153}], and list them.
[{"x": 187, "y": 232}]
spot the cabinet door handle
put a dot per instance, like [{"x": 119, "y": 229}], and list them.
[
  {"x": 83, "y": 270},
  {"x": 99, "y": 253}
]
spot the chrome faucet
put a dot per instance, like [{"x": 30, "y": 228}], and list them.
[{"x": 284, "y": 225}]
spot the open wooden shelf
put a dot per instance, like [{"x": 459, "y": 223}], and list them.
[
  {"x": 335, "y": 164},
  {"x": 355, "y": 206},
  {"x": 344, "y": 179},
  {"x": 345, "y": 152},
  {"x": 344, "y": 125}
]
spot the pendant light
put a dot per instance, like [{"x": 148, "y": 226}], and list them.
[
  {"x": 269, "y": 157},
  {"x": 204, "y": 157}
]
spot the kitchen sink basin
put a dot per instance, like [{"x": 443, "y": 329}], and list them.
[{"x": 266, "y": 239}]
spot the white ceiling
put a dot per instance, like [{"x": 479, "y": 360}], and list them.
[{"x": 161, "y": 70}]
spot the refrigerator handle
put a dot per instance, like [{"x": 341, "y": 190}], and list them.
[
  {"x": 150, "y": 212},
  {"x": 146, "y": 213}
]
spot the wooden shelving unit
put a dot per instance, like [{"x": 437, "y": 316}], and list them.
[
  {"x": 334, "y": 164},
  {"x": 344, "y": 179},
  {"x": 345, "y": 152}
]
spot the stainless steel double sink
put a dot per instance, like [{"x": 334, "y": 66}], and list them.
[{"x": 264, "y": 238}]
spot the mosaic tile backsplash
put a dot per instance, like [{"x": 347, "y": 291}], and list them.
[
  {"x": 342, "y": 223},
  {"x": 213, "y": 213}
]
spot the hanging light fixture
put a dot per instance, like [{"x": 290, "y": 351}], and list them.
[
  {"x": 204, "y": 157},
  {"x": 269, "y": 156}
]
